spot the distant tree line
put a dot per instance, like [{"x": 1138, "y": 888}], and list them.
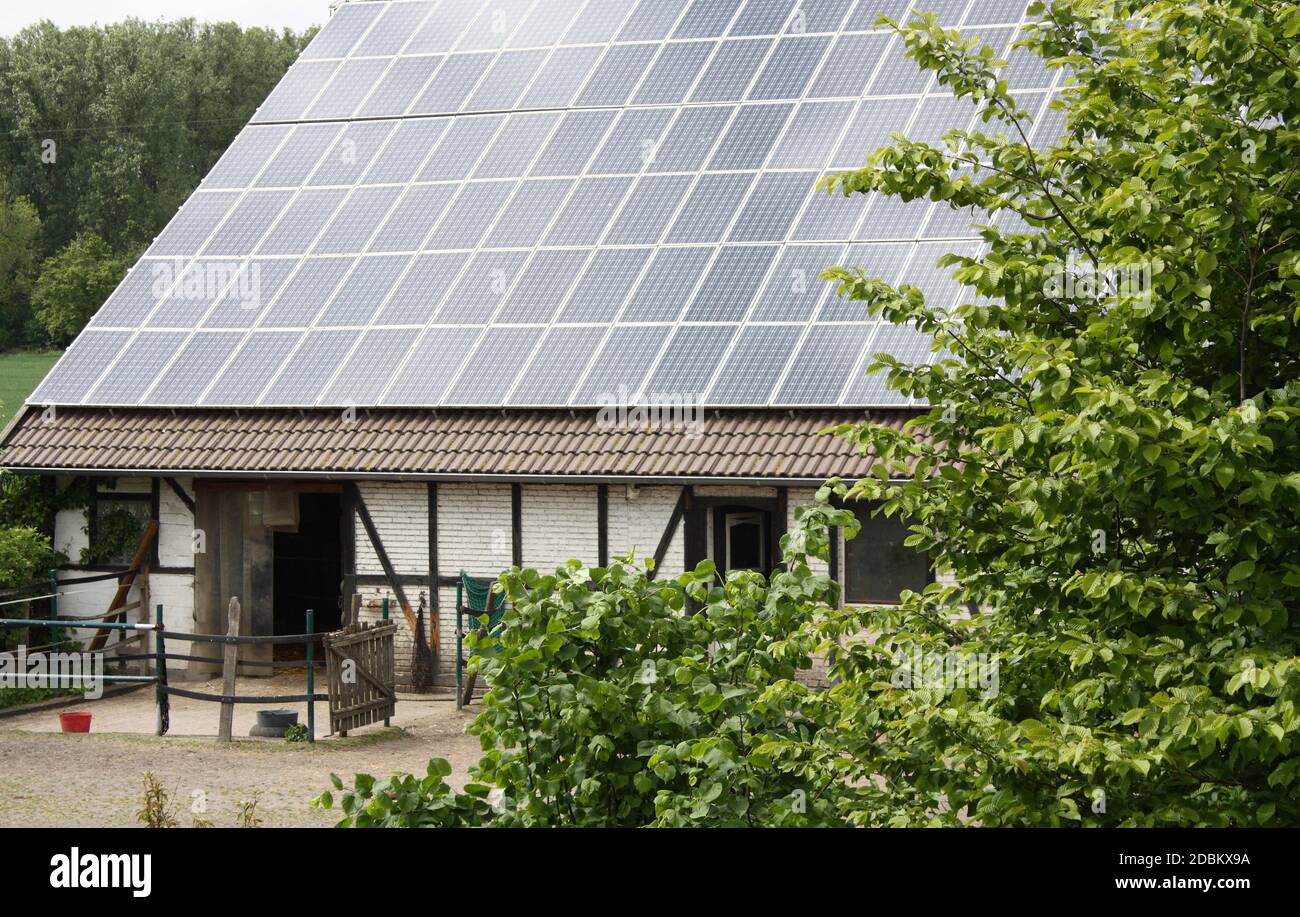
[{"x": 104, "y": 132}]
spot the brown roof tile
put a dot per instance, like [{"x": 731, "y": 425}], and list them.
[{"x": 547, "y": 444}]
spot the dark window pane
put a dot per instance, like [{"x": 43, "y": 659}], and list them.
[{"x": 877, "y": 565}]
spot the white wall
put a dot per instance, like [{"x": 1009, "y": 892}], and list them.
[
  {"x": 174, "y": 591},
  {"x": 474, "y": 534}
]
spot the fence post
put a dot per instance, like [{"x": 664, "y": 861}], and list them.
[
  {"x": 54, "y": 594},
  {"x": 229, "y": 665},
  {"x": 387, "y": 721},
  {"x": 311, "y": 678},
  {"x": 160, "y": 675}
]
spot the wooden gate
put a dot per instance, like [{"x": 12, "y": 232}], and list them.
[{"x": 362, "y": 675}]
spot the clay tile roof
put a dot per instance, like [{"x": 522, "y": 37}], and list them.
[{"x": 555, "y": 444}]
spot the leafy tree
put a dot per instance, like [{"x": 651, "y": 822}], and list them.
[
  {"x": 20, "y": 230},
  {"x": 1109, "y": 474},
  {"x": 25, "y": 556},
  {"x": 108, "y": 129},
  {"x": 73, "y": 284}
]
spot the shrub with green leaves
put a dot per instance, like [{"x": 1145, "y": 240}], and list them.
[
  {"x": 1111, "y": 469},
  {"x": 610, "y": 705}
]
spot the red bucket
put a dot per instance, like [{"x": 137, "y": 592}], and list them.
[{"x": 75, "y": 722}]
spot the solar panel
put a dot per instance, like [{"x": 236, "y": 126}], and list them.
[{"x": 473, "y": 203}]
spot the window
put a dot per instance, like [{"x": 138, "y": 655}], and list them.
[
  {"x": 116, "y": 522},
  {"x": 878, "y": 566},
  {"x": 742, "y": 538}
]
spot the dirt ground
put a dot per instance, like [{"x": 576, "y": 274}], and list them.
[{"x": 51, "y": 779}]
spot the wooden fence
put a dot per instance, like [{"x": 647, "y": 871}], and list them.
[{"x": 362, "y": 674}]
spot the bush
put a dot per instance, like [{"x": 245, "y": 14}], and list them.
[
  {"x": 73, "y": 284},
  {"x": 608, "y": 706},
  {"x": 25, "y": 557}
]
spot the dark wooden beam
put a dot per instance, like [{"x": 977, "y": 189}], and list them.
[
  {"x": 517, "y": 524},
  {"x": 835, "y": 561},
  {"x": 372, "y": 533},
  {"x": 302, "y": 487},
  {"x": 348, "y": 543},
  {"x": 674, "y": 521},
  {"x": 602, "y": 524},
  {"x": 780, "y": 523},
  {"x": 435, "y": 624},
  {"x": 181, "y": 493},
  {"x": 155, "y": 513},
  {"x": 142, "y": 549},
  {"x": 413, "y": 580}
]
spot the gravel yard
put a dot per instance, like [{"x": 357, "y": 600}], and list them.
[{"x": 51, "y": 779}]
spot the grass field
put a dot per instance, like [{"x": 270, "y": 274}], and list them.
[{"x": 20, "y": 373}]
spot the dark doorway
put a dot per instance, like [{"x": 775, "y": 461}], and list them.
[
  {"x": 309, "y": 567},
  {"x": 742, "y": 539}
]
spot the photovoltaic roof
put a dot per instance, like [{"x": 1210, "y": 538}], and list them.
[{"x": 549, "y": 203}]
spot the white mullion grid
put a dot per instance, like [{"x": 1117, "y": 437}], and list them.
[
  {"x": 433, "y": 8},
  {"x": 431, "y": 323},
  {"x": 659, "y": 243},
  {"x": 636, "y": 282},
  {"x": 350, "y": 57},
  {"x": 301, "y": 260},
  {"x": 825, "y": 169},
  {"x": 361, "y": 104},
  {"x": 858, "y": 366},
  {"x": 445, "y": 55},
  {"x": 526, "y": 363},
  {"x": 498, "y": 55},
  {"x": 668, "y": 40},
  {"x": 295, "y": 194},
  {"x": 551, "y": 50},
  {"x": 306, "y": 256},
  {"x": 852, "y": 115},
  {"x": 645, "y": 74},
  {"x": 1041, "y": 110},
  {"x": 599, "y": 60},
  {"x": 302, "y": 115},
  {"x": 414, "y": 258},
  {"x": 933, "y": 209},
  {"x": 180, "y": 274},
  {"x": 970, "y": 124},
  {"x": 781, "y": 244},
  {"x": 662, "y": 243},
  {"x": 469, "y": 262},
  {"x": 451, "y": 286},
  {"x": 784, "y": 243},
  {"x": 596, "y": 250},
  {"x": 737, "y": 107}
]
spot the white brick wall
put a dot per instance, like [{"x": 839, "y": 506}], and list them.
[
  {"x": 637, "y": 519},
  {"x": 174, "y": 591},
  {"x": 474, "y": 530},
  {"x": 400, "y": 513},
  {"x": 559, "y": 523},
  {"x": 175, "y": 526}
]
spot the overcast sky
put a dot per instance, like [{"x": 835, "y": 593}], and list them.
[{"x": 296, "y": 14}]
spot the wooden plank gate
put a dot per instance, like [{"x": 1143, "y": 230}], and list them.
[{"x": 362, "y": 675}]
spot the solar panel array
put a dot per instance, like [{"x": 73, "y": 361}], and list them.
[{"x": 547, "y": 203}]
